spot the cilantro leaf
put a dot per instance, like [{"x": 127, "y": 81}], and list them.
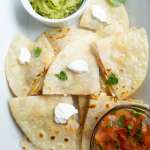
[
  {"x": 129, "y": 129},
  {"x": 62, "y": 76},
  {"x": 139, "y": 135},
  {"x": 116, "y": 3},
  {"x": 112, "y": 79},
  {"x": 137, "y": 113},
  {"x": 113, "y": 112},
  {"x": 37, "y": 51},
  {"x": 121, "y": 121}
]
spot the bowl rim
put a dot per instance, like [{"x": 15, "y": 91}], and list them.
[{"x": 27, "y": 6}]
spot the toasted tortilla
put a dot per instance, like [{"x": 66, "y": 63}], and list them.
[
  {"x": 35, "y": 116},
  {"x": 27, "y": 79},
  {"x": 97, "y": 107},
  {"x": 77, "y": 83},
  {"x": 118, "y": 19},
  {"x": 60, "y": 38},
  {"x": 127, "y": 56}
]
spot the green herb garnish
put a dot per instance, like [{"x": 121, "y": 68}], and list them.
[
  {"x": 62, "y": 76},
  {"x": 116, "y": 3},
  {"x": 137, "y": 113},
  {"x": 113, "y": 112},
  {"x": 121, "y": 121},
  {"x": 37, "y": 51},
  {"x": 139, "y": 135},
  {"x": 129, "y": 129},
  {"x": 112, "y": 79}
]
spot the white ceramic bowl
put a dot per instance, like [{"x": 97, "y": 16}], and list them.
[{"x": 55, "y": 22}]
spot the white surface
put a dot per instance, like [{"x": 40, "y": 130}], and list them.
[{"x": 14, "y": 19}]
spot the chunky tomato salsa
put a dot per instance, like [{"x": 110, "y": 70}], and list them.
[{"x": 124, "y": 129}]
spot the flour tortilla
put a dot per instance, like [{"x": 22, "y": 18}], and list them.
[
  {"x": 60, "y": 38},
  {"x": 126, "y": 55},
  {"x": 35, "y": 116},
  {"x": 27, "y": 79},
  {"x": 77, "y": 83},
  {"x": 118, "y": 19},
  {"x": 97, "y": 107}
]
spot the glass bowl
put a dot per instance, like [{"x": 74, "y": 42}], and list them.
[{"x": 144, "y": 109}]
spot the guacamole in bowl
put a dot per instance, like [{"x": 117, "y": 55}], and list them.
[{"x": 55, "y": 9}]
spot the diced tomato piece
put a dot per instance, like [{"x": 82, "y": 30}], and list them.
[
  {"x": 109, "y": 146},
  {"x": 147, "y": 141},
  {"x": 101, "y": 137}
]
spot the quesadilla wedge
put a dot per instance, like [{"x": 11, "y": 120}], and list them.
[
  {"x": 124, "y": 60},
  {"x": 35, "y": 116},
  {"x": 27, "y": 79},
  {"x": 97, "y": 107},
  {"x": 61, "y": 80},
  {"x": 104, "y": 18}
]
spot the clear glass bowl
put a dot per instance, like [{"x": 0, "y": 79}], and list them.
[{"x": 142, "y": 108}]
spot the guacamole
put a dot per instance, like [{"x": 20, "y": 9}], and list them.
[{"x": 55, "y": 9}]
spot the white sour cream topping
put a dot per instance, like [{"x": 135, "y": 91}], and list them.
[
  {"x": 63, "y": 112},
  {"x": 99, "y": 13},
  {"x": 78, "y": 66},
  {"x": 25, "y": 56}
]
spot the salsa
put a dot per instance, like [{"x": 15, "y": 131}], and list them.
[
  {"x": 55, "y": 9},
  {"x": 124, "y": 129}
]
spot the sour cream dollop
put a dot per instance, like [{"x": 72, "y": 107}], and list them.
[
  {"x": 78, "y": 66},
  {"x": 25, "y": 56},
  {"x": 63, "y": 112},
  {"x": 99, "y": 13}
]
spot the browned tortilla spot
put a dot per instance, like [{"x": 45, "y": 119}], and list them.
[
  {"x": 92, "y": 106},
  {"x": 66, "y": 139},
  {"x": 107, "y": 105}
]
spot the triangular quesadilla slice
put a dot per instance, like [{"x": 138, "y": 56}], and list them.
[
  {"x": 97, "y": 107},
  {"x": 104, "y": 18},
  {"x": 124, "y": 59},
  {"x": 26, "y": 64},
  {"x": 36, "y": 118},
  {"x": 62, "y": 79}
]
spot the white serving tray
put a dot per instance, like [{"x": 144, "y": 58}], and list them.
[{"x": 14, "y": 19}]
